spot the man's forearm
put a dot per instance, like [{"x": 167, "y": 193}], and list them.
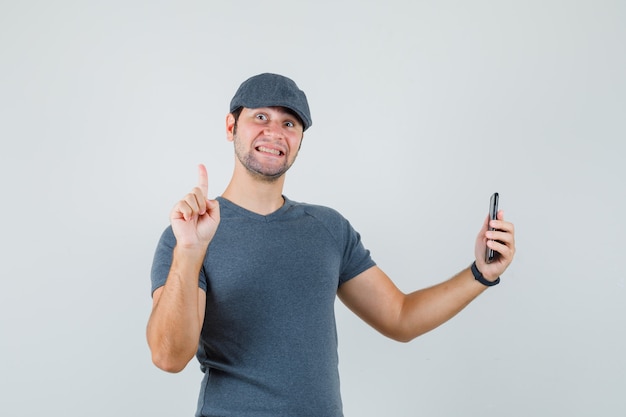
[
  {"x": 177, "y": 314},
  {"x": 428, "y": 308}
]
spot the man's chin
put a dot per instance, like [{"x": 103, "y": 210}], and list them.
[
  {"x": 268, "y": 177},
  {"x": 263, "y": 171}
]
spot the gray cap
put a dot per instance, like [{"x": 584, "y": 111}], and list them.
[{"x": 268, "y": 90}]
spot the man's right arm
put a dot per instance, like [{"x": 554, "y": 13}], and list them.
[
  {"x": 178, "y": 307},
  {"x": 177, "y": 313}
]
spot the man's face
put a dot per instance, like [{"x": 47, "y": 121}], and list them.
[{"x": 266, "y": 140}]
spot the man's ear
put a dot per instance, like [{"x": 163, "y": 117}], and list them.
[{"x": 230, "y": 127}]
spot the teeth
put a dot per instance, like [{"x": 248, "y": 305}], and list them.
[{"x": 268, "y": 150}]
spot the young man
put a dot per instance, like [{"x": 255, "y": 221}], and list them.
[{"x": 247, "y": 282}]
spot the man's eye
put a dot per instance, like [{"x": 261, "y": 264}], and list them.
[
  {"x": 289, "y": 124},
  {"x": 261, "y": 116}
]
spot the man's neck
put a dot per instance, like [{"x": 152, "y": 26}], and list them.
[{"x": 254, "y": 194}]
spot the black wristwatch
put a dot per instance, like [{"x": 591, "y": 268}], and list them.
[{"x": 479, "y": 277}]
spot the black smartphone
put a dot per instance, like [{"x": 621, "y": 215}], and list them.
[{"x": 490, "y": 254}]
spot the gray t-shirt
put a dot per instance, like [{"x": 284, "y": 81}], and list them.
[{"x": 268, "y": 346}]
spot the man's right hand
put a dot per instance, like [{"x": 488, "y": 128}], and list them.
[{"x": 195, "y": 218}]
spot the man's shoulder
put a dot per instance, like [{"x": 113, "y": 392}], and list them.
[{"x": 318, "y": 211}]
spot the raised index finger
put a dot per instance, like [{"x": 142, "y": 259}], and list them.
[{"x": 203, "y": 180}]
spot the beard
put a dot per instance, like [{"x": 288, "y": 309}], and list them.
[{"x": 256, "y": 167}]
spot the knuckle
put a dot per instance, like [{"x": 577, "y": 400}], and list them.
[
  {"x": 190, "y": 199},
  {"x": 198, "y": 192}
]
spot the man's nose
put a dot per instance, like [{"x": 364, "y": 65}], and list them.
[{"x": 274, "y": 129}]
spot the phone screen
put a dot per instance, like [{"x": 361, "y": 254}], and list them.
[{"x": 490, "y": 254}]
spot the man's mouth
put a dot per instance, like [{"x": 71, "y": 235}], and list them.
[{"x": 270, "y": 150}]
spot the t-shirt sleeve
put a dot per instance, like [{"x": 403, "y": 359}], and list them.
[
  {"x": 356, "y": 258},
  {"x": 162, "y": 261}
]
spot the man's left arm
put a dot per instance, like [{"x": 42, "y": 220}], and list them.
[{"x": 373, "y": 296}]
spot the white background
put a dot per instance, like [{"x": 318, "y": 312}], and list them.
[{"x": 420, "y": 111}]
